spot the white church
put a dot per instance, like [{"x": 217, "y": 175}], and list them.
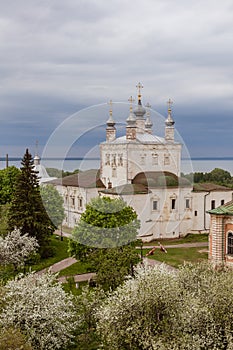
[{"x": 144, "y": 170}]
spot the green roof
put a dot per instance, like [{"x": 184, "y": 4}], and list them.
[{"x": 225, "y": 209}]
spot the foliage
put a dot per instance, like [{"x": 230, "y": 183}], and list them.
[
  {"x": 16, "y": 248},
  {"x": 107, "y": 223},
  {"x": 13, "y": 339},
  {"x": 53, "y": 203},
  {"x": 217, "y": 175},
  {"x": 53, "y": 172},
  {"x": 87, "y": 303},
  {"x": 59, "y": 249},
  {"x": 8, "y": 180},
  {"x": 189, "y": 310},
  {"x": 114, "y": 264},
  {"x": 27, "y": 211},
  {"x": 140, "y": 313},
  {"x": 4, "y": 208},
  {"x": 39, "y": 307}
]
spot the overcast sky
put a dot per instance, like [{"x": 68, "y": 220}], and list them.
[{"x": 57, "y": 57}]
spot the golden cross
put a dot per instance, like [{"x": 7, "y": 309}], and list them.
[
  {"x": 110, "y": 104},
  {"x": 169, "y": 102},
  {"x": 131, "y": 101},
  {"x": 139, "y": 86}
]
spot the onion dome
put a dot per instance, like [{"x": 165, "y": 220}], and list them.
[
  {"x": 110, "y": 122},
  {"x": 139, "y": 111},
  {"x": 131, "y": 120},
  {"x": 148, "y": 122}
]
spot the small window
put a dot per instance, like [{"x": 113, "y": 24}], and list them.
[
  {"x": 187, "y": 203},
  {"x": 195, "y": 213},
  {"x": 154, "y": 159},
  {"x": 166, "y": 160},
  {"x": 142, "y": 160},
  {"x": 230, "y": 243},
  {"x": 173, "y": 204},
  {"x": 222, "y": 201},
  {"x": 120, "y": 159},
  {"x": 155, "y": 205},
  {"x": 107, "y": 159},
  {"x": 80, "y": 203},
  {"x": 213, "y": 204},
  {"x": 114, "y": 160},
  {"x": 73, "y": 201}
]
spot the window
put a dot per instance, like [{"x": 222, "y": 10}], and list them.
[
  {"x": 155, "y": 205},
  {"x": 222, "y": 201},
  {"x": 195, "y": 213},
  {"x": 73, "y": 201},
  {"x": 230, "y": 243},
  {"x": 187, "y": 203},
  {"x": 142, "y": 160},
  {"x": 213, "y": 204},
  {"x": 120, "y": 159},
  {"x": 80, "y": 203},
  {"x": 114, "y": 160},
  {"x": 107, "y": 159},
  {"x": 166, "y": 160},
  {"x": 173, "y": 203},
  {"x": 154, "y": 159}
]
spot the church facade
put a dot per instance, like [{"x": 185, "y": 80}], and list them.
[{"x": 144, "y": 170}]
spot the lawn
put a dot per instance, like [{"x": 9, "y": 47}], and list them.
[
  {"x": 76, "y": 269},
  {"x": 177, "y": 256},
  {"x": 190, "y": 238},
  {"x": 60, "y": 253}
]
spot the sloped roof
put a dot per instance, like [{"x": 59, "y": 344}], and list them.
[
  {"x": 209, "y": 187},
  {"x": 225, "y": 209},
  {"x": 87, "y": 179},
  {"x": 128, "y": 189},
  {"x": 160, "y": 179}
]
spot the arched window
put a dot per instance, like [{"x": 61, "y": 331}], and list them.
[{"x": 230, "y": 243}]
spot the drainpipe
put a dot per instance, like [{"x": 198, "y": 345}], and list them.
[{"x": 205, "y": 210}]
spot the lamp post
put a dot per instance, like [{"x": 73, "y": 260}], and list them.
[{"x": 61, "y": 233}]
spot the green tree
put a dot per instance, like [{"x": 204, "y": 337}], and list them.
[
  {"x": 53, "y": 203},
  {"x": 8, "y": 180},
  {"x": 107, "y": 223},
  {"x": 26, "y": 210},
  {"x": 220, "y": 176},
  {"x": 105, "y": 236}
]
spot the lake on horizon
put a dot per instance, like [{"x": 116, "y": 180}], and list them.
[{"x": 187, "y": 166}]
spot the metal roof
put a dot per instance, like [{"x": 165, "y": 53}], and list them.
[{"x": 225, "y": 209}]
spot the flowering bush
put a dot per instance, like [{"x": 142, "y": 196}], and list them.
[
  {"x": 188, "y": 310},
  {"x": 15, "y": 248},
  {"x": 39, "y": 307}
]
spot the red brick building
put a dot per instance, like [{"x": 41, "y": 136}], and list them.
[{"x": 221, "y": 235}]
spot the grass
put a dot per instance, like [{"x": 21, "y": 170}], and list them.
[
  {"x": 60, "y": 252},
  {"x": 177, "y": 256},
  {"x": 76, "y": 269},
  {"x": 190, "y": 238}
]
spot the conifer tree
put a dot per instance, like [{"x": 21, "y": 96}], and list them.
[{"x": 27, "y": 211}]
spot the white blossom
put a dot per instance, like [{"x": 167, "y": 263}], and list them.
[
  {"x": 15, "y": 248},
  {"x": 156, "y": 310},
  {"x": 40, "y": 308}
]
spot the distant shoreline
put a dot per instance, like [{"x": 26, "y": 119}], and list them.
[{"x": 84, "y": 158}]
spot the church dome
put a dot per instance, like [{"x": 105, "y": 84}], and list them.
[{"x": 139, "y": 111}]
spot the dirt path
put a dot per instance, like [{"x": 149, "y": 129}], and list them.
[{"x": 61, "y": 265}]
